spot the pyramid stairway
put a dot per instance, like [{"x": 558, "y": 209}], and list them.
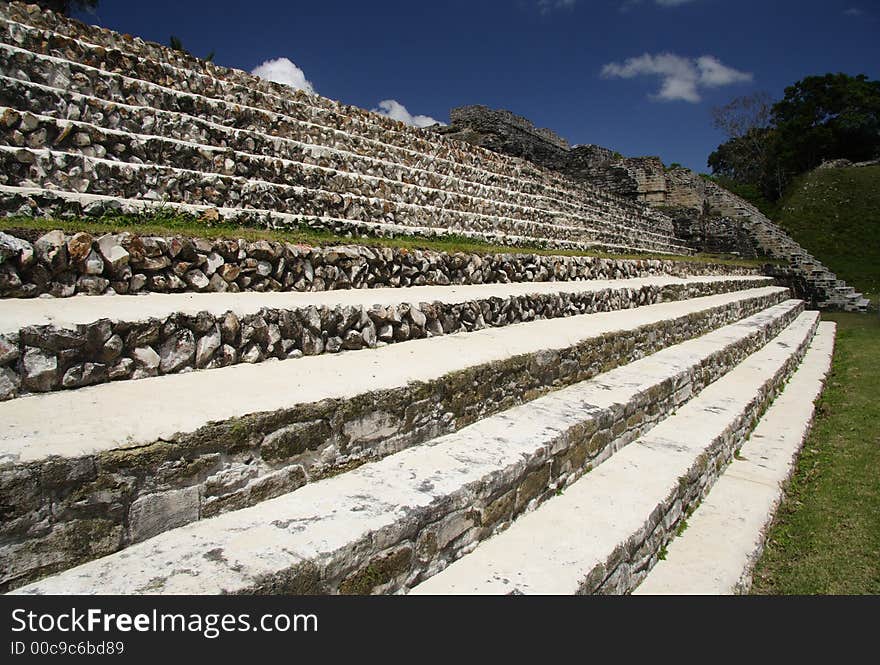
[
  {"x": 96, "y": 122},
  {"x": 224, "y": 416},
  {"x": 386, "y": 465}
]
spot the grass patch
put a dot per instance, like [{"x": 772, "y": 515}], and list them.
[
  {"x": 826, "y": 535},
  {"x": 835, "y": 215},
  {"x": 165, "y": 224}
]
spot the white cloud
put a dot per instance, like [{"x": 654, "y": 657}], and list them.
[
  {"x": 282, "y": 70},
  {"x": 853, "y": 11},
  {"x": 680, "y": 78},
  {"x": 393, "y": 109},
  {"x": 629, "y": 4},
  {"x": 547, "y": 6}
]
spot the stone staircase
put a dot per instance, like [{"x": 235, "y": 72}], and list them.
[
  {"x": 830, "y": 292},
  {"x": 94, "y": 122},
  {"x": 373, "y": 440},
  {"x": 232, "y": 416}
]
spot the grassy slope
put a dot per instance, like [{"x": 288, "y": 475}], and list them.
[
  {"x": 835, "y": 215},
  {"x": 826, "y": 537}
]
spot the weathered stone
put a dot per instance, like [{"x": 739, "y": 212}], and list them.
[
  {"x": 177, "y": 352},
  {"x": 85, "y": 374},
  {"x": 417, "y": 317},
  {"x": 39, "y": 370},
  {"x": 94, "y": 264},
  {"x": 368, "y": 334},
  {"x": 353, "y": 340},
  {"x": 252, "y": 354},
  {"x": 112, "y": 349},
  {"x": 214, "y": 262},
  {"x": 79, "y": 247},
  {"x": 255, "y": 330},
  {"x": 386, "y": 333},
  {"x": 10, "y": 382},
  {"x": 155, "y": 513},
  {"x": 114, "y": 254},
  {"x": 217, "y": 284},
  {"x": 230, "y": 328},
  {"x": 206, "y": 347},
  {"x": 334, "y": 344},
  {"x": 17, "y": 250},
  {"x": 92, "y": 285},
  {"x": 287, "y": 442},
  {"x": 147, "y": 361},
  {"x": 51, "y": 251},
  {"x": 121, "y": 369},
  {"x": 229, "y": 271},
  {"x": 181, "y": 248},
  {"x": 8, "y": 351},
  {"x": 197, "y": 280},
  {"x": 138, "y": 282},
  {"x": 9, "y": 278}
]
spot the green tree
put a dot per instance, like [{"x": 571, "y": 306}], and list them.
[
  {"x": 834, "y": 116},
  {"x": 820, "y": 117}
]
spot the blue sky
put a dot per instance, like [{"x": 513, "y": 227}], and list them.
[{"x": 637, "y": 76}]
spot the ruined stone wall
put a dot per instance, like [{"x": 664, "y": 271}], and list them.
[
  {"x": 707, "y": 217},
  {"x": 89, "y": 117}
]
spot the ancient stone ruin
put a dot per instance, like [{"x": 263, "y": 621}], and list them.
[
  {"x": 188, "y": 414},
  {"x": 707, "y": 217}
]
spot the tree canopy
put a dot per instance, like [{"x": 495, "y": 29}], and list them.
[{"x": 835, "y": 116}]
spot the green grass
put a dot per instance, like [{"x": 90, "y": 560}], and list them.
[
  {"x": 162, "y": 224},
  {"x": 835, "y": 215},
  {"x": 826, "y": 536}
]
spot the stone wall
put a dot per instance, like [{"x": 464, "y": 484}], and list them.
[
  {"x": 93, "y": 505},
  {"x": 91, "y": 113},
  {"x": 45, "y": 358},
  {"x": 62, "y": 265},
  {"x": 708, "y": 218}
]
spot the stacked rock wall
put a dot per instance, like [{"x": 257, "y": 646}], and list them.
[
  {"x": 708, "y": 218},
  {"x": 93, "y": 119}
]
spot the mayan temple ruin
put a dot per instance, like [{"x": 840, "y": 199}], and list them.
[{"x": 218, "y": 414}]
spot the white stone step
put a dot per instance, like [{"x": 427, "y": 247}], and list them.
[
  {"x": 605, "y": 531},
  {"x": 109, "y": 416},
  {"x": 164, "y": 151},
  {"x": 385, "y": 525},
  {"x": 271, "y": 218},
  {"x": 109, "y": 177},
  {"x": 139, "y": 457},
  {"x": 426, "y": 146},
  {"x": 69, "y": 312},
  {"x": 491, "y": 162},
  {"x": 724, "y": 538},
  {"x": 69, "y": 343},
  {"x": 171, "y": 123}
]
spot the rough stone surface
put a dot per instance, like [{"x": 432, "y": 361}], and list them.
[
  {"x": 376, "y": 413},
  {"x": 328, "y": 329}
]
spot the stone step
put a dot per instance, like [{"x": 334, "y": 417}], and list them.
[
  {"x": 43, "y": 202},
  {"x": 47, "y": 71},
  {"x": 605, "y": 531},
  {"x": 141, "y": 129},
  {"x": 136, "y": 457},
  {"x": 331, "y": 114},
  {"x": 386, "y": 525},
  {"x": 63, "y": 264},
  {"x": 56, "y": 169},
  {"x": 724, "y": 538},
  {"x": 54, "y": 344}
]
